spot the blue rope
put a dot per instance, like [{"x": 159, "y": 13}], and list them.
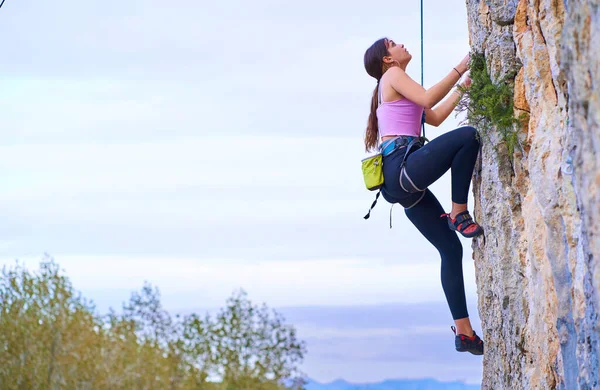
[
  {"x": 421, "y": 42},
  {"x": 422, "y": 72}
]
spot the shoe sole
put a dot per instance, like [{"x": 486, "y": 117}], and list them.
[
  {"x": 471, "y": 352},
  {"x": 472, "y": 235}
]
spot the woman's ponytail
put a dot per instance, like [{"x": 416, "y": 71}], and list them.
[
  {"x": 375, "y": 68},
  {"x": 372, "y": 132}
]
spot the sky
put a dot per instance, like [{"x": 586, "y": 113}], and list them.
[{"x": 211, "y": 146}]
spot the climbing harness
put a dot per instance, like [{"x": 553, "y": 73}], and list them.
[
  {"x": 387, "y": 148},
  {"x": 371, "y": 171}
]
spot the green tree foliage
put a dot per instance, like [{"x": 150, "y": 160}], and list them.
[
  {"x": 249, "y": 343},
  {"x": 489, "y": 105},
  {"x": 52, "y": 338}
]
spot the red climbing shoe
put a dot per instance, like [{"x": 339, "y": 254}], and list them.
[
  {"x": 465, "y": 343},
  {"x": 464, "y": 224}
]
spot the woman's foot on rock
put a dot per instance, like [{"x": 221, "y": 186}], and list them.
[
  {"x": 464, "y": 224},
  {"x": 464, "y": 343}
]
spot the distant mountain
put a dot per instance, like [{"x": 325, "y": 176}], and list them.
[{"x": 392, "y": 384}]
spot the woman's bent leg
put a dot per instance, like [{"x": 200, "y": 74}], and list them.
[{"x": 457, "y": 150}]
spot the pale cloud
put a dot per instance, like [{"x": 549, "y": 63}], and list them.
[
  {"x": 405, "y": 340},
  {"x": 209, "y": 282}
]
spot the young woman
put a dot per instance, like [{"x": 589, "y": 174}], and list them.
[{"x": 409, "y": 167}]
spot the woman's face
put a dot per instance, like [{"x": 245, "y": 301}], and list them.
[{"x": 398, "y": 53}]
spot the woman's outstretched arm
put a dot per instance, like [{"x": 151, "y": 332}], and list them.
[
  {"x": 413, "y": 91},
  {"x": 442, "y": 111}
]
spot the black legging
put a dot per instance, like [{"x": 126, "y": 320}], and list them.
[{"x": 456, "y": 150}]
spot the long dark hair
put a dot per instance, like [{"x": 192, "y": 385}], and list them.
[{"x": 374, "y": 66}]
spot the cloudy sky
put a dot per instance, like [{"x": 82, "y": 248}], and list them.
[{"x": 209, "y": 146}]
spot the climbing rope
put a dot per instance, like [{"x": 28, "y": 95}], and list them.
[
  {"x": 421, "y": 42},
  {"x": 1, "y": 4},
  {"x": 422, "y": 72}
]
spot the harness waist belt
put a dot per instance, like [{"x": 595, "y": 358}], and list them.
[{"x": 392, "y": 144}]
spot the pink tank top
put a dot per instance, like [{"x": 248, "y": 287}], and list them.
[{"x": 399, "y": 117}]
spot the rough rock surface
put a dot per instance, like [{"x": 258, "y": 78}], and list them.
[{"x": 537, "y": 268}]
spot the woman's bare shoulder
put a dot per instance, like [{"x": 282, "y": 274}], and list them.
[
  {"x": 394, "y": 71},
  {"x": 395, "y": 75}
]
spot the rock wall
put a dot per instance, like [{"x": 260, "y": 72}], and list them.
[{"x": 537, "y": 268}]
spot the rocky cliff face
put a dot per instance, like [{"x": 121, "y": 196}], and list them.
[{"x": 538, "y": 267}]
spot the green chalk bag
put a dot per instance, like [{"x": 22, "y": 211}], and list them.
[{"x": 372, "y": 168}]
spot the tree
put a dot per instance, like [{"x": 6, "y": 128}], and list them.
[
  {"x": 47, "y": 331},
  {"x": 254, "y": 347},
  {"x": 52, "y": 338}
]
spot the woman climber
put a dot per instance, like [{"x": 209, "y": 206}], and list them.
[{"x": 409, "y": 167}]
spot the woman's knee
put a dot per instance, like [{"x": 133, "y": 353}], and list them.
[{"x": 470, "y": 134}]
